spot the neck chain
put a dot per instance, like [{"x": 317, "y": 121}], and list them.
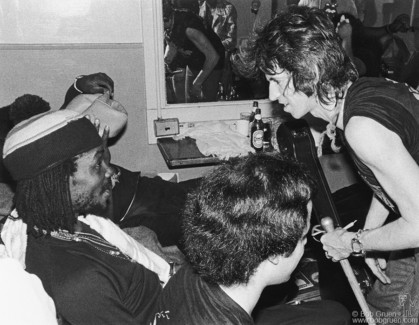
[
  {"x": 92, "y": 240},
  {"x": 331, "y": 128}
]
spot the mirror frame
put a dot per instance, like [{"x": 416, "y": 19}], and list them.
[{"x": 157, "y": 106}]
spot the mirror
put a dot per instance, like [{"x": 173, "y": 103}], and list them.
[
  {"x": 192, "y": 73},
  {"x": 156, "y": 99}
]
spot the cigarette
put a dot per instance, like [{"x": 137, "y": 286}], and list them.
[{"x": 349, "y": 225}]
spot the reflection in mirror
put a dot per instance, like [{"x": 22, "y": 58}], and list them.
[{"x": 200, "y": 38}]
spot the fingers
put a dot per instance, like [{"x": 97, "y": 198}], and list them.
[
  {"x": 105, "y": 83},
  {"x": 97, "y": 83},
  {"x": 380, "y": 274},
  {"x": 105, "y": 135},
  {"x": 103, "y": 88},
  {"x": 335, "y": 245},
  {"x": 334, "y": 258},
  {"x": 96, "y": 123},
  {"x": 90, "y": 118},
  {"x": 330, "y": 257},
  {"x": 378, "y": 267},
  {"x": 104, "y": 132},
  {"x": 381, "y": 263}
]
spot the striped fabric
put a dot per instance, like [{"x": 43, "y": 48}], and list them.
[{"x": 46, "y": 140}]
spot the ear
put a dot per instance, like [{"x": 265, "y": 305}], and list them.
[{"x": 275, "y": 259}]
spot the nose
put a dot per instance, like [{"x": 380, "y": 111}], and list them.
[
  {"x": 109, "y": 170},
  {"x": 275, "y": 93}
]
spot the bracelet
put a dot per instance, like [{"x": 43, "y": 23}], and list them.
[
  {"x": 356, "y": 244},
  {"x": 75, "y": 83}
]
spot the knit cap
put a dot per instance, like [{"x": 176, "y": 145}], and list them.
[{"x": 47, "y": 140}]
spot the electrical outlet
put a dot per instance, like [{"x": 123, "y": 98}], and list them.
[
  {"x": 184, "y": 126},
  {"x": 165, "y": 127}
]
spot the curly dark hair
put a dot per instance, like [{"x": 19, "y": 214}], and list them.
[
  {"x": 27, "y": 106},
  {"x": 242, "y": 213},
  {"x": 44, "y": 201},
  {"x": 302, "y": 41}
]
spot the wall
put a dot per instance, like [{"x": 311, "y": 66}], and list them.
[{"x": 48, "y": 71}]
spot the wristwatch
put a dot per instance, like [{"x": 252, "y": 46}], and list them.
[{"x": 356, "y": 244}]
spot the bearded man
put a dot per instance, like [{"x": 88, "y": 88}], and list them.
[{"x": 63, "y": 176}]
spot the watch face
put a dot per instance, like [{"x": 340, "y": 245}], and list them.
[{"x": 356, "y": 246}]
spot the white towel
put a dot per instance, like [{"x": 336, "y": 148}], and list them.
[
  {"x": 14, "y": 238},
  {"x": 128, "y": 245},
  {"x": 216, "y": 138}
]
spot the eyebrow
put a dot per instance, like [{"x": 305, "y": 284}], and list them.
[
  {"x": 99, "y": 153},
  {"x": 274, "y": 77}
]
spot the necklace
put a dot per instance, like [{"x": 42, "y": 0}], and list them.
[
  {"x": 331, "y": 130},
  {"x": 92, "y": 240}
]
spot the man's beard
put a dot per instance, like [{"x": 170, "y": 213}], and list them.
[{"x": 97, "y": 209}]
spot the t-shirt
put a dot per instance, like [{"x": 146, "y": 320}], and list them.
[
  {"x": 396, "y": 107},
  {"x": 91, "y": 286},
  {"x": 188, "y": 300}
]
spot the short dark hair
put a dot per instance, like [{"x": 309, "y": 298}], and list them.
[
  {"x": 243, "y": 212},
  {"x": 303, "y": 41},
  {"x": 44, "y": 201},
  {"x": 167, "y": 9}
]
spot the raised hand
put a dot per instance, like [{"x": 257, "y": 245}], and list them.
[{"x": 95, "y": 83}]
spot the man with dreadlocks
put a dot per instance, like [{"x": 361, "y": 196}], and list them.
[{"x": 85, "y": 262}]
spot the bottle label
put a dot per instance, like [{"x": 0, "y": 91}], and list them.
[{"x": 257, "y": 139}]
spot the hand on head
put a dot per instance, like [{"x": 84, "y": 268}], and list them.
[
  {"x": 96, "y": 83},
  {"x": 105, "y": 136}
]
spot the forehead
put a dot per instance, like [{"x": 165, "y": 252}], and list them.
[
  {"x": 89, "y": 156},
  {"x": 280, "y": 74}
]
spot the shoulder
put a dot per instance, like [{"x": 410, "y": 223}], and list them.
[
  {"x": 370, "y": 139},
  {"x": 371, "y": 87},
  {"x": 100, "y": 291},
  {"x": 194, "y": 33}
]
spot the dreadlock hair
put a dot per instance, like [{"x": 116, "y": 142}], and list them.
[{"x": 44, "y": 201}]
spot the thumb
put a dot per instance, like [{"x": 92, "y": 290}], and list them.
[{"x": 105, "y": 97}]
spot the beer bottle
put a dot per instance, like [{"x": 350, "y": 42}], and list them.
[
  {"x": 252, "y": 116},
  {"x": 256, "y": 132}
]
